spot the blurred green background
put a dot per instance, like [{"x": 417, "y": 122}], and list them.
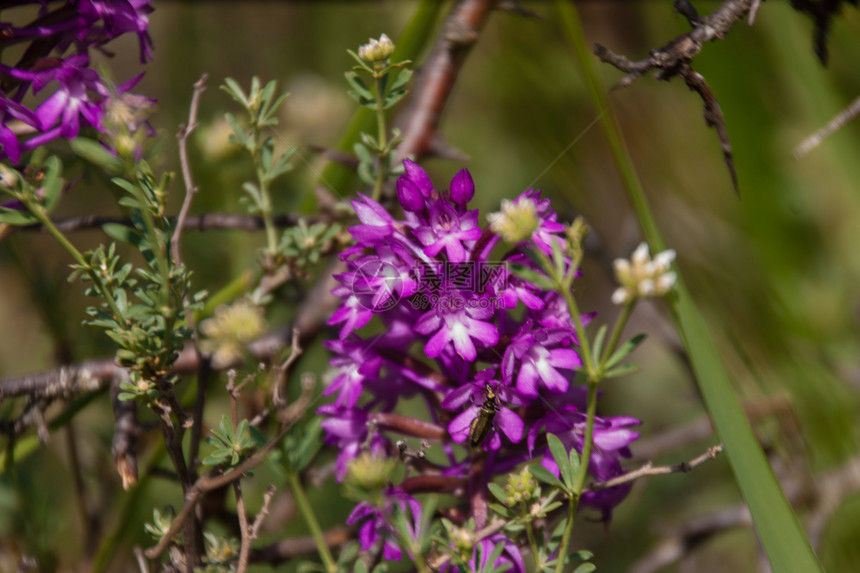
[{"x": 776, "y": 270}]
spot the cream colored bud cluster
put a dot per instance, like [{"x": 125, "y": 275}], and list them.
[
  {"x": 376, "y": 50},
  {"x": 231, "y": 329},
  {"x": 642, "y": 276},
  {"x": 516, "y": 221}
]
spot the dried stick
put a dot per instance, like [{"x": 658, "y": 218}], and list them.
[
  {"x": 674, "y": 59},
  {"x": 287, "y": 549},
  {"x": 835, "y": 125},
  {"x": 649, "y": 470},
  {"x": 203, "y": 360},
  {"x": 249, "y": 531},
  {"x": 281, "y": 379}
]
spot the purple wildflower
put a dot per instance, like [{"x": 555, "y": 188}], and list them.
[
  {"x": 79, "y": 92},
  {"x": 375, "y": 522},
  {"x": 451, "y": 331}
]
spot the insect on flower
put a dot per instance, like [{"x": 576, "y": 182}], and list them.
[{"x": 481, "y": 425}]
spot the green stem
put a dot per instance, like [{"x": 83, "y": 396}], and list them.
[
  {"x": 265, "y": 201},
  {"x": 382, "y": 137},
  {"x": 79, "y": 258},
  {"x": 311, "y": 520},
  {"x": 565, "y": 538},
  {"x": 531, "y": 535},
  {"x": 617, "y": 328},
  {"x": 581, "y": 475}
]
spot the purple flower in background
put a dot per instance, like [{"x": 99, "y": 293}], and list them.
[
  {"x": 427, "y": 314},
  {"x": 60, "y": 61},
  {"x": 375, "y": 521}
]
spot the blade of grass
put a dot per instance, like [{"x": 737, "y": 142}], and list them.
[{"x": 778, "y": 528}]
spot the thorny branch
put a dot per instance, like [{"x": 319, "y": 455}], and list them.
[{"x": 675, "y": 58}]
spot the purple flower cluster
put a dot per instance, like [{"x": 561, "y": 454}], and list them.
[
  {"x": 451, "y": 332},
  {"x": 58, "y": 56}
]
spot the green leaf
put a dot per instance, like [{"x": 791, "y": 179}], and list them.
[
  {"x": 597, "y": 345},
  {"x": 235, "y": 91},
  {"x": 559, "y": 454},
  {"x": 15, "y": 217},
  {"x": 92, "y": 151},
  {"x": 624, "y": 350},
  {"x": 498, "y": 491},
  {"x": 542, "y": 474},
  {"x": 500, "y": 509},
  {"x": 358, "y": 86},
  {"x": 585, "y": 568},
  {"x": 626, "y": 368},
  {"x": 122, "y": 233},
  {"x": 53, "y": 183}
]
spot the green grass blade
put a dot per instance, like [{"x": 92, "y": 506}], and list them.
[{"x": 778, "y": 528}]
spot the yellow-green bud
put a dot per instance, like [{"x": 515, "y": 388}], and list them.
[
  {"x": 376, "y": 50},
  {"x": 231, "y": 329},
  {"x": 370, "y": 472},
  {"x": 516, "y": 221},
  {"x": 463, "y": 540},
  {"x": 520, "y": 487}
]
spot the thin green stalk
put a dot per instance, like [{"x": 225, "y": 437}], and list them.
[
  {"x": 265, "y": 201},
  {"x": 584, "y": 344},
  {"x": 311, "y": 520},
  {"x": 776, "y": 524},
  {"x": 617, "y": 328},
  {"x": 79, "y": 258},
  {"x": 568, "y": 532},
  {"x": 531, "y": 535},
  {"x": 382, "y": 136}
]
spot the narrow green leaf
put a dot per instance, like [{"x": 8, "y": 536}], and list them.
[
  {"x": 624, "y": 350},
  {"x": 122, "y": 233},
  {"x": 627, "y": 368},
  {"x": 92, "y": 151},
  {"x": 597, "y": 346},
  {"x": 559, "y": 454},
  {"x": 497, "y": 491},
  {"x": 542, "y": 474},
  {"x": 53, "y": 183},
  {"x": 15, "y": 217}
]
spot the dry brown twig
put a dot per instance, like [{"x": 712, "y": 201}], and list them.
[
  {"x": 674, "y": 59},
  {"x": 832, "y": 127}
]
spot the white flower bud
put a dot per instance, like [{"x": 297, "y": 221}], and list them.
[{"x": 376, "y": 50}]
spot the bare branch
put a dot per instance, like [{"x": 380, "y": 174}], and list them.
[
  {"x": 249, "y": 531},
  {"x": 832, "y": 127},
  {"x": 287, "y": 549},
  {"x": 674, "y": 59},
  {"x": 281, "y": 379},
  {"x": 649, "y": 470},
  {"x": 190, "y": 189}
]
